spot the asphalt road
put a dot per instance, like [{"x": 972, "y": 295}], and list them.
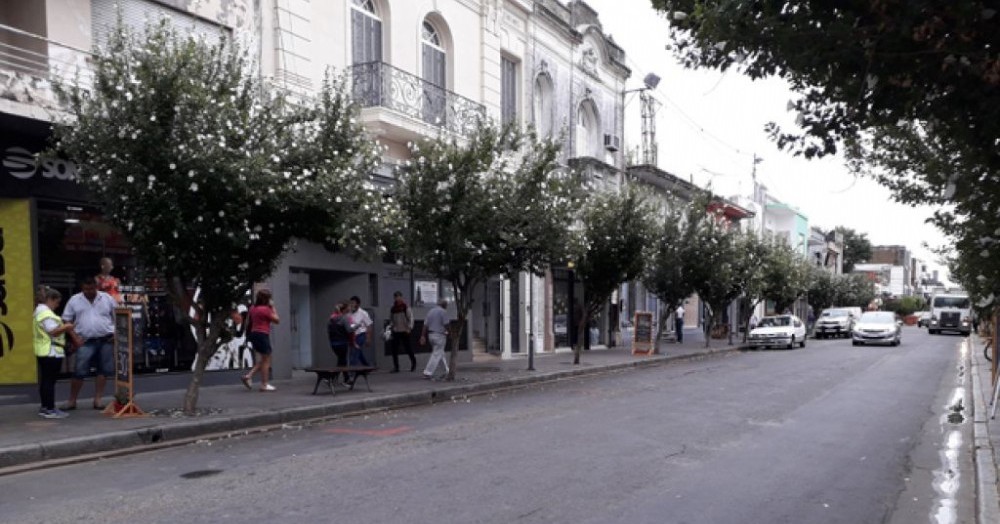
[{"x": 828, "y": 434}]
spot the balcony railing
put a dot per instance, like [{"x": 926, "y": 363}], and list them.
[
  {"x": 29, "y": 64},
  {"x": 377, "y": 84}
]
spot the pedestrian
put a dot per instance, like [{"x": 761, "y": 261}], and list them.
[
  {"x": 436, "y": 332},
  {"x": 92, "y": 314},
  {"x": 50, "y": 343},
  {"x": 753, "y": 321},
  {"x": 261, "y": 316},
  {"x": 107, "y": 282},
  {"x": 401, "y": 323},
  {"x": 338, "y": 331},
  {"x": 362, "y": 323},
  {"x": 810, "y": 319},
  {"x": 679, "y": 322}
]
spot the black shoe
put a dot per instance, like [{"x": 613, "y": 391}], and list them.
[
  {"x": 394, "y": 371},
  {"x": 413, "y": 367}
]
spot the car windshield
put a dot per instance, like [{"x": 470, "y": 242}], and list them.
[
  {"x": 775, "y": 322},
  {"x": 878, "y": 317},
  {"x": 835, "y": 313},
  {"x": 952, "y": 302}
]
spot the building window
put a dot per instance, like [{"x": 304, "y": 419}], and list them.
[
  {"x": 508, "y": 90},
  {"x": 587, "y": 126},
  {"x": 434, "y": 75},
  {"x": 366, "y": 33},
  {"x": 542, "y": 105}
]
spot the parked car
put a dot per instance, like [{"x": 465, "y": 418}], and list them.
[
  {"x": 877, "y": 327},
  {"x": 923, "y": 318},
  {"x": 778, "y": 330},
  {"x": 835, "y": 322}
]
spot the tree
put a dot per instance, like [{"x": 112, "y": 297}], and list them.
[
  {"x": 857, "y": 248},
  {"x": 492, "y": 203},
  {"x": 822, "y": 292},
  {"x": 608, "y": 250},
  {"x": 718, "y": 267},
  {"x": 909, "y": 91},
  {"x": 854, "y": 290},
  {"x": 208, "y": 172},
  {"x": 666, "y": 273},
  {"x": 782, "y": 276}
]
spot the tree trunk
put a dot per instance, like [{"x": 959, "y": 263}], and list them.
[
  {"x": 581, "y": 327},
  {"x": 709, "y": 322},
  {"x": 455, "y": 342},
  {"x": 664, "y": 318},
  {"x": 207, "y": 346}
]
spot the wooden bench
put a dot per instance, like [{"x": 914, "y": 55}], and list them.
[{"x": 329, "y": 375}]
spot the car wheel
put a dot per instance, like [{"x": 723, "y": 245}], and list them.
[
  {"x": 803, "y": 343},
  {"x": 855, "y": 343},
  {"x": 932, "y": 331}
]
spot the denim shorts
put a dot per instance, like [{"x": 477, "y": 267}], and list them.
[
  {"x": 96, "y": 352},
  {"x": 260, "y": 342}
]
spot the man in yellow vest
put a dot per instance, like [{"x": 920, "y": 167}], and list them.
[{"x": 49, "y": 341}]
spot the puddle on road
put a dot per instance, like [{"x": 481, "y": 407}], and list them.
[{"x": 948, "y": 478}]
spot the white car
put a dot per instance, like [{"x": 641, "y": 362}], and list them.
[
  {"x": 877, "y": 327},
  {"x": 779, "y": 330}
]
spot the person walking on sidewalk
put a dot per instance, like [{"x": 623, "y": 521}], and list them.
[
  {"x": 261, "y": 316},
  {"x": 401, "y": 321},
  {"x": 362, "y": 323},
  {"x": 679, "y": 322},
  {"x": 436, "y": 332},
  {"x": 49, "y": 341},
  {"x": 338, "y": 331},
  {"x": 92, "y": 314}
]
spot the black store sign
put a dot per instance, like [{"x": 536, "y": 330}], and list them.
[{"x": 23, "y": 173}]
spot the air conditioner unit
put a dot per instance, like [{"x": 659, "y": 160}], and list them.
[{"x": 612, "y": 143}]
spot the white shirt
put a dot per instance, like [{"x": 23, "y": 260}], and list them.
[
  {"x": 91, "y": 319},
  {"x": 361, "y": 319},
  {"x": 679, "y": 312}
]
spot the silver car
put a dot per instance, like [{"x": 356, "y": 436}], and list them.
[{"x": 877, "y": 327}]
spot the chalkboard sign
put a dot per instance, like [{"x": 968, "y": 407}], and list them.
[
  {"x": 124, "y": 406},
  {"x": 642, "y": 341}
]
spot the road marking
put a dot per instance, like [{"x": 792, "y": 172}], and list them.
[{"x": 387, "y": 432}]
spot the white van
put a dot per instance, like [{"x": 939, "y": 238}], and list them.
[{"x": 951, "y": 311}]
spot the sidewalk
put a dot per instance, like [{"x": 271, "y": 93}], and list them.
[
  {"x": 986, "y": 433},
  {"x": 27, "y": 441}
]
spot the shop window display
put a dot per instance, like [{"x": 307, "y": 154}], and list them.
[{"x": 73, "y": 240}]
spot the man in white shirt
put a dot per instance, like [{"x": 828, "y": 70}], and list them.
[
  {"x": 362, "y": 333},
  {"x": 436, "y": 332},
  {"x": 92, "y": 313}
]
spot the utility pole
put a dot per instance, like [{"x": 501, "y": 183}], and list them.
[{"x": 649, "y": 147}]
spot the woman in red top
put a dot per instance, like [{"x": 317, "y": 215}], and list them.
[{"x": 261, "y": 316}]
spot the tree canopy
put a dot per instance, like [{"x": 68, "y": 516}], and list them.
[
  {"x": 909, "y": 91},
  {"x": 608, "y": 249},
  {"x": 494, "y": 202},
  {"x": 857, "y": 248},
  {"x": 207, "y": 171}
]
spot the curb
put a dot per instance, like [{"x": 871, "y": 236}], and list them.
[
  {"x": 987, "y": 497},
  {"x": 26, "y": 457}
]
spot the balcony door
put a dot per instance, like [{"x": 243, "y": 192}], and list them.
[
  {"x": 435, "y": 95},
  {"x": 366, "y": 53}
]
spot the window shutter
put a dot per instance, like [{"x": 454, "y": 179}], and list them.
[{"x": 137, "y": 13}]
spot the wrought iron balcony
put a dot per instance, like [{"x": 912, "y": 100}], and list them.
[{"x": 377, "y": 84}]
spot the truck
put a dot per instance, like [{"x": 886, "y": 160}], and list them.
[{"x": 950, "y": 311}]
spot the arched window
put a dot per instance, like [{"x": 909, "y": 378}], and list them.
[
  {"x": 366, "y": 32},
  {"x": 587, "y": 130},
  {"x": 434, "y": 74},
  {"x": 542, "y": 105}
]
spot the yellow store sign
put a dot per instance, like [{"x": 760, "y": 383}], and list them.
[{"x": 17, "y": 359}]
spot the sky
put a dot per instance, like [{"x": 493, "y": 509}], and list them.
[{"x": 710, "y": 124}]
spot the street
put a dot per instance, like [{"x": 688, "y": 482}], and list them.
[{"x": 826, "y": 434}]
